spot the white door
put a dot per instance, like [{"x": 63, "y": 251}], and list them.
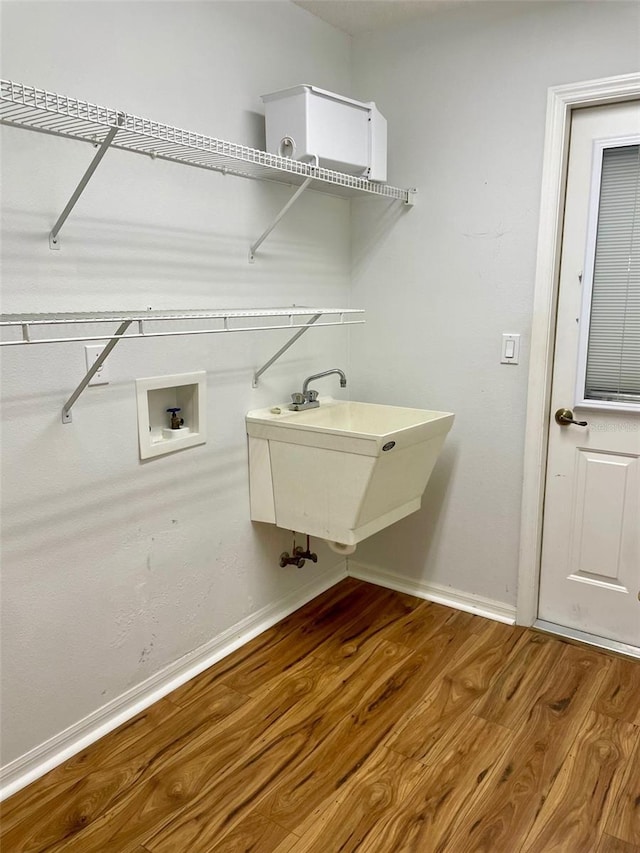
[{"x": 590, "y": 571}]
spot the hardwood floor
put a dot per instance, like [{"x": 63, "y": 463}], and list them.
[{"x": 367, "y": 721}]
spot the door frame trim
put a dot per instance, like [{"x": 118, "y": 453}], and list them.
[{"x": 561, "y": 101}]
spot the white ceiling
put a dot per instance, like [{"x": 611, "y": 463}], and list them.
[{"x": 361, "y": 16}]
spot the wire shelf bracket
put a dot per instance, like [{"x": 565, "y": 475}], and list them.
[
  {"x": 106, "y": 352},
  {"x": 54, "y": 241},
  {"x": 282, "y": 350},
  {"x": 294, "y": 198}
]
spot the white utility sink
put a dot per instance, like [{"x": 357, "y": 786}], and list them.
[{"x": 344, "y": 470}]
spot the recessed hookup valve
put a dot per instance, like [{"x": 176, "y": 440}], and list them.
[
  {"x": 298, "y": 555},
  {"x": 176, "y": 422}
]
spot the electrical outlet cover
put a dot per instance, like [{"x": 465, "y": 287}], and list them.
[{"x": 91, "y": 353}]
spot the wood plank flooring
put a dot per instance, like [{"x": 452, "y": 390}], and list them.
[{"x": 367, "y": 721}]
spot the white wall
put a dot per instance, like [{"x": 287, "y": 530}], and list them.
[
  {"x": 113, "y": 569},
  {"x": 464, "y": 92}
]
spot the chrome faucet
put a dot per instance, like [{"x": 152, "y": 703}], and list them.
[
  {"x": 343, "y": 378},
  {"x": 308, "y": 399}
]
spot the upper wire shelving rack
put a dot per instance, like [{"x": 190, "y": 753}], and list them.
[{"x": 36, "y": 109}]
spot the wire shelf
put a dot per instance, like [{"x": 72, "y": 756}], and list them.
[
  {"x": 142, "y": 324},
  {"x": 47, "y": 112}
]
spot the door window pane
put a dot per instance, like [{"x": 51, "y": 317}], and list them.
[{"x": 613, "y": 356}]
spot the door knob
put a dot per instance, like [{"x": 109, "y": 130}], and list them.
[{"x": 564, "y": 417}]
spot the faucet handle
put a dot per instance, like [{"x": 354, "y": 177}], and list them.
[
  {"x": 297, "y": 398},
  {"x": 312, "y": 396}
]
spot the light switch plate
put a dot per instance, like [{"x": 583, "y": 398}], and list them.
[
  {"x": 91, "y": 353},
  {"x": 510, "y": 348}
]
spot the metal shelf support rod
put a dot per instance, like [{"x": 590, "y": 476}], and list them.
[
  {"x": 54, "y": 242},
  {"x": 66, "y": 409},
  {"x": 283, "y": 349},
  {"x": 183, "y": 333},
  {"x": 254, "y": 246}
]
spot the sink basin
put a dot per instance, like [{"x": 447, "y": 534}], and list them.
[
  {"x": 335, "y": 423},
  {"x": 344, "y": 470}
]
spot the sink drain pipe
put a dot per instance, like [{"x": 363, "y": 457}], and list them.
[{"x": 341, "y": 548}]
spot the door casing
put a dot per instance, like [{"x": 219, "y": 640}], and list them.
[{"x": 561, "y": 100}]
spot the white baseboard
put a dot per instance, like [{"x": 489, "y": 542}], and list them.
[
  {"x": 38, "y": 761},
  {"x": 467, "y": 601}
]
